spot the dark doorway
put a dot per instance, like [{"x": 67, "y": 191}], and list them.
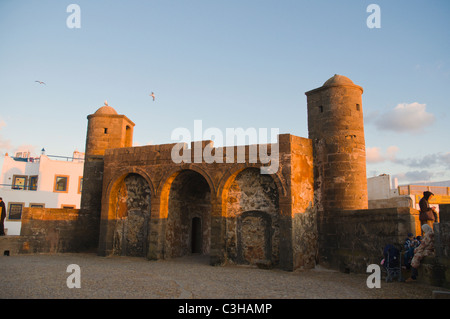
[
  {"x": 196, "y": 244},
  {"x": 188, "y": 227}
]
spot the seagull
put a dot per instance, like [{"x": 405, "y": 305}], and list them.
[
  {"x": 106, "y": 103},
  {"x": 153, "y": 96},
  {"x": 40, "y": 82}
]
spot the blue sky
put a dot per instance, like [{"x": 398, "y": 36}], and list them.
[{"x": 230, "y": 64}]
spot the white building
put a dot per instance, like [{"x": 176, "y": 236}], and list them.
[
  {"x": 382, "y": 195},
  {"x": 45, "y": 181}
]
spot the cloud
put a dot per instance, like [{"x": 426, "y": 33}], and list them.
[
  {"x": 404, "y": 117},
  {"x": 445, "y": 159},
  {"x": 374, "y": 155},
  {"x": 5, "y": 145},
  {"x": 391, "y": 153},
  {"x": 414, "y": 176},
  {"x": 436, "y": 159},
  {"x": 416, "y": 169}
]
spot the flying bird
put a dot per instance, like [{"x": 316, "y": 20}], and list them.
[
  {"x": 40, "y": 82},
  {"x": 153, "y": 96}
]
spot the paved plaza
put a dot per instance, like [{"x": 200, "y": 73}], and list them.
[{"x": 190, "y": 277}]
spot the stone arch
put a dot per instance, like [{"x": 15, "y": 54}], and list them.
[
  {"x": 250, "y": 205},
  {"x": 128, "y": 215},
  {"x": 168, "y": 177},
  {"x": 119, "y": 176},
  {"x": 230, "y": 176},
  {"x": 186, "y": 202},
  {"x": 165, "y": 184}
]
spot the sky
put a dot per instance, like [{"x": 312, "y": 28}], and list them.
[{"x": 230, "y": 64}]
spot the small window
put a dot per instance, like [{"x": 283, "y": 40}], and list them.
[
  {"x": 321, "y": 109},
  {"x": 358, "y": 108},
  {"x": 106, "y": 130},
  {"x": 37, "y": 205},
  {"x": 33, "y": 183},
  {"x": 61, "y": 184},
  {"x": 80, "y": 184},
  {"x": 15, "y": 211},
  {"x": 19, "y": 182}
]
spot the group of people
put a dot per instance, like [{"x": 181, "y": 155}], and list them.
[
  {"x": 421, "y": 246},
  {"x": 411, "y": 243}
]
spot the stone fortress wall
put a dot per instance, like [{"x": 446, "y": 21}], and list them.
[{"x": 313, "y": 210}]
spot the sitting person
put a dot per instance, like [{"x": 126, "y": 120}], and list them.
[
  {"x": 410, "y": 244},
  {"x": 418, "y": 240},
  {"x": 426, "y": 248}
]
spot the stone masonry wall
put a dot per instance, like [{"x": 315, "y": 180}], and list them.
[
  {"x": 252, "y": 224},
  {"x": 56, "y": 230},
  {"x": 155, "y": 164},
  {"x": 133, "y": 215},
  {"x": 351, "y": 240},
  {"x": 435, "y": 270},
  {"x": 304, "y": 213}
]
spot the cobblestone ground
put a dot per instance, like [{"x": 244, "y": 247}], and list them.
[{"x": 45, "y": 276}]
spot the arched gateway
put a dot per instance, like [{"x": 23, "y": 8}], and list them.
[{"x": 188, "y": 226}]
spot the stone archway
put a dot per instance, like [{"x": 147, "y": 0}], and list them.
[
  {"x": 188, "y": 225},
  {"x": 252, "y": 219},
  {"x": 131, "y": 216}
]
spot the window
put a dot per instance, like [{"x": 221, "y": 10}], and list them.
[
  {"x": 106, "y": 130},
  {"x": 61, "y": 183},
  {"x": 37, "y": 205},
  {"x": 19, "y": 182},
  {"x": 33, "y": 183},
  {"x": 128, "y": 137},
  {"x": 358, "y": 107},
  {"x": 80, "y": 184},
  {"x": 15, "y": 211}
]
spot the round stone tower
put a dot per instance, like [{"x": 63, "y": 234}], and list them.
[
  {"x": 336, "y": 127},
  {"x": 107, "y": 129}
]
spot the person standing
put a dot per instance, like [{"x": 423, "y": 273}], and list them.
[
  {"x": 427, "y": 213},
  {"x": 3, "y": 216}
]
